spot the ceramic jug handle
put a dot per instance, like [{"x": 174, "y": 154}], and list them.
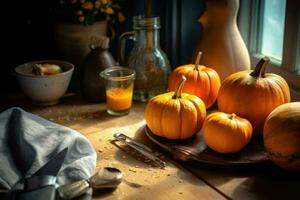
[{"x": 122, "y": 44}]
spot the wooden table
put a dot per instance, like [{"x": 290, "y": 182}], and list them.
[{"x": 143, "y": 181}]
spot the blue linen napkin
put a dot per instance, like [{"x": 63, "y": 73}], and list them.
[{"x": 28, "y": 141}]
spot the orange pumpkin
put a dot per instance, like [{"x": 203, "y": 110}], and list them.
[
  {"x": 201, "y": 81},
  {"x": 253, "y": 94},
  {"x": 175, "y": 115},
  {"x": 226, "y": 133},
  {"x": 282, "y": 136}
]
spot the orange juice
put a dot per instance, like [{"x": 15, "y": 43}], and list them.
[{"x": 119, "y": 98}]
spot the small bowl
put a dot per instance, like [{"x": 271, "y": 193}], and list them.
[{"x": 47, "y": 89}]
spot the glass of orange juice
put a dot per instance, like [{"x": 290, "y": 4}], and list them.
[{"x": 119, "y": 83}]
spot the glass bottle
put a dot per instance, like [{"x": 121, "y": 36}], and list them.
[
  {"x": 146, "y": 58},
  {"x": 92, "y": 87}
]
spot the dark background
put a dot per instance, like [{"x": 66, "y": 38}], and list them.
[{"x": 27, "y": 32}]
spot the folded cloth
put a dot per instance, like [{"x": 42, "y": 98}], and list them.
[{"x": 28, "y": 141}]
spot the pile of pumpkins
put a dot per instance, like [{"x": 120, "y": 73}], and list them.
[{"x": 250, "y": 103}]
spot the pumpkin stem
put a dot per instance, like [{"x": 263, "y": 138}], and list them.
[
  {"x": 232, "y": 116},
  {"x": 179, "y": 88},
  {"x": 260, "y": 68},
  {"x": 198, "y": 61}
]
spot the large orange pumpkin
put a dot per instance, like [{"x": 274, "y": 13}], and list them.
[
  {"x": 282, "y": 136},
  {"x": 253, "y": 94},
  {"x": 226, "y": 133},
  {"x": 175, "y": 115},
  {"x": 201, "y": 81}
]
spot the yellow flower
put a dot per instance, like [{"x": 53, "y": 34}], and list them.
[
  {"x": 87, "y": 5},
  {"x": 81, "y": 18},
  {"x": 97, "y": 4},
  {"x": 104, "y": 2},
  {"x": 121, "y": 17},
  {"x": 89, "y": 11},
  {"x": 109, "y": 11}
]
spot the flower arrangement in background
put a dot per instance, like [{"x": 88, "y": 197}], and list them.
[{"x": 88, "y": 12}]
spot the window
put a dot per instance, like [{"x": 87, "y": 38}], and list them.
[
  {"x": 273, "y": 15},
  {"x": 272, "y": 28}
]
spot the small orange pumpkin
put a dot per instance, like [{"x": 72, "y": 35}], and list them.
[
  {"x": 226, "y": 133},
  {"x": 201, "y": 81},
  {"x": 175, "y": 115},
  {"x": 253, "y": 94},
  {"x": 282, "y": 136}
]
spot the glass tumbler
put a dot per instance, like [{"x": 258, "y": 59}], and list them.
[{"x": 119, "y": 83}]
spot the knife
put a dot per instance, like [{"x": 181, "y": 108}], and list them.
[
  {"x": 41, "y": 185},
  {"x": 46, "y": 175}
]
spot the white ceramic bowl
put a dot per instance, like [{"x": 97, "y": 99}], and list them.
[{"x": 48, "y": 89}]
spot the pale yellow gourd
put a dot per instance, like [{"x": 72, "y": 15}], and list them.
[
  {"x": 282, "y": 136},
  {"x": 225, "y": 50}
]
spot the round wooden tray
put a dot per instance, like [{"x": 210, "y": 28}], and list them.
[{"x": 195, "y": 149}]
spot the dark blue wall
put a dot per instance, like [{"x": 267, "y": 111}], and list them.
[
  {"x": 28, "y": 34},
  {"x": 180, "y": 29}
]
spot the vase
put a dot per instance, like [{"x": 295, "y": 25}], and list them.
[
  {"x": 73, "y": 40},
  {"x": 221, "y": 43}
]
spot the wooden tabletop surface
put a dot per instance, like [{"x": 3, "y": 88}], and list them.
[{"x": 179, "y": 180}]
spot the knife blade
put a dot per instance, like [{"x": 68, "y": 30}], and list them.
[
  {"x": 46, "y": 175},
  {"x": 53, "y": 165}
]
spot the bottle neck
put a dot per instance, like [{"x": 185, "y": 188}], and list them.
[
  {"x": 220, "y": 13},
  {"x": 146, "y": 31},
  {"x": 147, "y": 38}
]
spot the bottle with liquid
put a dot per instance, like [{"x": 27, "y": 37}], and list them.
[
  {"x": 92, "y": 86},
  {"x": 147, "y": 58}
]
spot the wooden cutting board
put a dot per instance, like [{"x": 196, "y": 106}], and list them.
[{"x": 195, "y": 149}]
